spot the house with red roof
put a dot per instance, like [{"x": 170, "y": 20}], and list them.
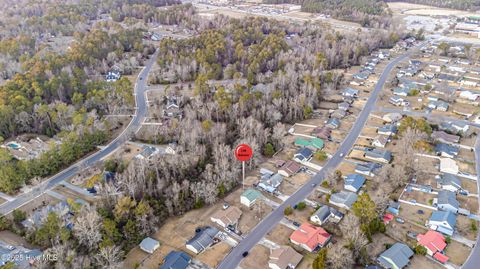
[
  {"x": 435, "y": 243},
  {"x": 387, "y": 218},
  {"x": 310, "y": 237}
]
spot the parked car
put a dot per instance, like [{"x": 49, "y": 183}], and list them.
[
  {"x": 400, "y": 220},
  {"x": 245, "y": 254},
  {"x": 412, "y": 235},
  {"x": 420, "y": 212},
  {"x": 225, "y": 205},
  {"x": 296, "y": 224}
]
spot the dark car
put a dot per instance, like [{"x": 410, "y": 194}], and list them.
[
  {"x": 296, "y": 224},
  {"x": 245, "y": 254}
]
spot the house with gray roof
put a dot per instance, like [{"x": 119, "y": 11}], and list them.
[
  {"x": 37, "y": 218},
  {"x": 454, "y": 127},
  {"x": 379, "y": 155},
  {"x": 354, "y": 182},
  {"x": 401, "y": 91},
  {"x": 344, "y": 106},
  {"x": 333, "y": 123},
  {"x": 447, "y": 201},
  {"x": 396, "y": 257},
  {"x": 270, "y": 184},
  {"x": 343, "y": 199},
  {"x": 439, "y": 105},
  {"x": 367, "y": 169},
  {"x": 361, "y": 76},
  {"x": 446, "y": 150},
  {"x": 444, "y": 137},
  {"x": 326, "y": 213},
  {"x": 448, "y": 182},
  {"x": 176, "y": 260},
  {"x": 203, "y": 239},
  {"x": 443, "y": 222},
  {"x": 350, "y": 92},
  {"x": 387, "y": 129}
]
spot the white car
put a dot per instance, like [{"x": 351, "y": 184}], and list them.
[{"x": 341, "y": 154}]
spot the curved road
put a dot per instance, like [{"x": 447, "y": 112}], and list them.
[
  {"x": 233, "y": 259},
  {"x": 133, "y": 126}
]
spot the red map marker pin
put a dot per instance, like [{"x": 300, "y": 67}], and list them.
[{"x": 243, "y": 152}]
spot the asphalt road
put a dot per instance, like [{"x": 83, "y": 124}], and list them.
[
  {"x": 473, "y": 261},
  {"x": 233, "y": 259},
  {"x": 134, "y": 125}
]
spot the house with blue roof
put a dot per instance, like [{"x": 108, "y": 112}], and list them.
[
  {"x": 202, "y": 240},
  {"x": 446, "y": 150},
  {"x": 443, "y": 222},
  {"x": 361, "y": 76},
  {"x": 176, "y": 260},
  {"x": 354, "y": 182},
  {"x": 303, "y": 155},
  {"x": 350, "y": 92}
]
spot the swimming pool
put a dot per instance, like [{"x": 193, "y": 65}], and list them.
[{"x": 13, "y": 145}]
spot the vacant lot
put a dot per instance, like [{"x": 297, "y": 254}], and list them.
[
  {"x": 257, "y": 259},
  {"x": 458, "y": 253},
  {"x": 410, "y": 212},
  {"x": 292, "y": 184},
  {"x": 422, "y": 262},
  {"x": 420, "y": 197},
  {"x": 280, "y": 234},
  {"x": 464, "y": 225},
  {"x": 407, "y": 8},
  {"x": 14, "y": 239}
]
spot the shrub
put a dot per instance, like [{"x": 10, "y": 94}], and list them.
[{"x": 288, "y": 211}]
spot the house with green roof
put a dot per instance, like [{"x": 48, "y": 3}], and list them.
[
  {"x": 314, "y": 144},
  {"x": 249, "y": 197}
]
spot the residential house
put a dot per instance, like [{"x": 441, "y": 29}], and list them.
[
  {"x": 435, "y": 243},
  {"x": 350, "y": 92},
  {"x": 454, "y": 127},
  {"x": 354, "y": 182},
  {"x": 468, "y": 82},
  {"x": 172, "y": 107},
  {"x": 361, "y": 76},
  {"x": 444, "y": 137},
  {"x": 284, "y": 257},
  {"x": 367, "y": 169},
  {"x": 344, "y": 106},
  {"x": 290, "y": 168},
  {"x": 147, "y": 153},
  {"x": 442, "y": 221},
  {"x": 394, "y": 208},
  {"x": 39, "y": 216},
  {"x": 113, "y": 76},
  {"x": 203, "y": 239},
  {"x": 326, "y": 213},
  {"x": 249, "y": 197},
  {"x": 379, "y": 155},
  {"x": 387, "y": 129},
  {"x": 380, "y": 141},
  {"x": 149, "y": 245},
  {"x": 392, "y": 117},
  {"x": 228, "y": 217},
  {"x": 469, "y": 95},
  {"x": 343, "y": 199},
  {"x": 396, "y": 257},
  {"x": 449, "y": 182},
  {"x": 448, "y": 78},
  {"x": 338, "y": 113},
  {"x": 313, "y": 144},
  {"x": 401, "y": 91},
  {"x": 463, "y": 111},
  {"x": 439, "y": 105},
  {"x": 303, "y": 155},
  {"x": 333, "y": 123},
  {"x": 310, "y": 237},
  {"x": 446, "y": 150},
  {"x": 323, "y": 133},
  {"x": 176, "y": 260},
  {"x": 448, "y": 165},
  {"x": 447, "y": 201},
  {"x": 398, "y": 101},
  {"x": 270, "y": 184}
]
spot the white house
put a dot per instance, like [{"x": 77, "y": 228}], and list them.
[{"x": 449, "y": 166}]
